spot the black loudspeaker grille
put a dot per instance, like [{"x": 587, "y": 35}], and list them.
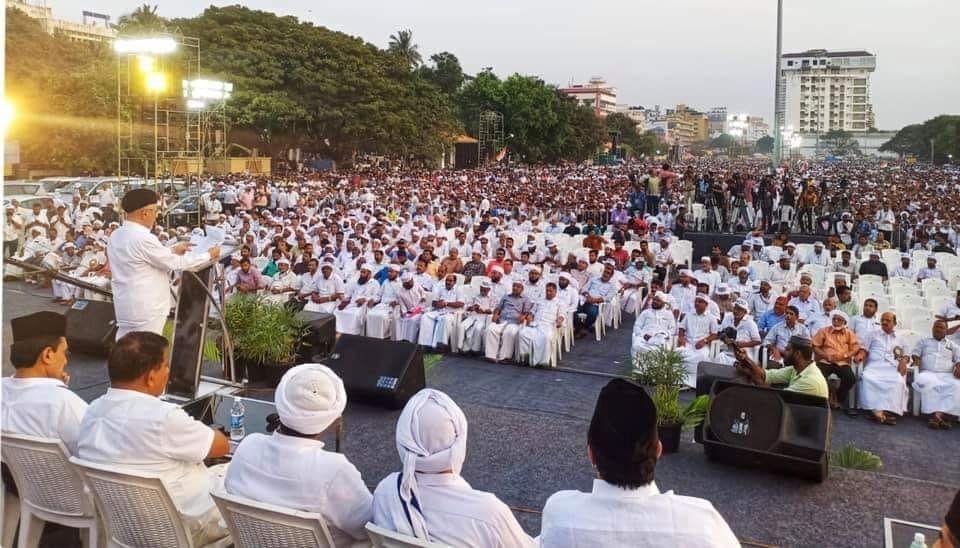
[
  {"x": 378, "y": 372},
  {"x": 319, "y": 342},
  {"x": 91, "y": 327},
  {"x": 746, "y": 417}
]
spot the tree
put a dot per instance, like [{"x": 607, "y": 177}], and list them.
[
  {"x": 943, "y": 130},
  {"x": 401, "y": 44},
  {"x": 765, "y": 144},
  {"x": 446, "y": 72},
  {"x": 839, "y": 143},
  {"x": 144, "y": 19},
  {"x": 724, "y": 141},
  {"x": 629, "y": 136}
]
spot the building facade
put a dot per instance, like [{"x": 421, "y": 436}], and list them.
[
  {"x": 717, "y": 118},
  {"x": 80, "y": 32},
  {"x": 813, "y": 145},
  {"x": 686, "y": 126},
  {"x": 596, "y": 94},
  {"x": 826, "y": 90},
  {"x": 637, "y": 114}
]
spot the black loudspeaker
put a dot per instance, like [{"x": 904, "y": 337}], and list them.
[
  {"x": 768, "y": 428},
  {"x": 91, "y": 327},
  {"x": 379, "y": 372},
  {"x": 318, "y": 344},
  {"x": 707, "y": 374}
]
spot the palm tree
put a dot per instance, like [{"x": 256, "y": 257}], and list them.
[
  {"x": 402, "y": 44},
  {"x": 142, "y": 19}
]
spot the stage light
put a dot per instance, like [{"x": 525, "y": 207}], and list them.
[
  {"x": 156, "y": 82},
  {"x": 155, "y": 46},
  {"x": 8, "y": 114},
  {"x": 146, "y": 63},
  {"x": 195, "y": 104},
  {"x": 203, "y": 89}
]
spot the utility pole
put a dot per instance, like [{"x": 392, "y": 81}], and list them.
[
  {"x": 777, "y": 137},
  {"x": 931, "y": 151}
]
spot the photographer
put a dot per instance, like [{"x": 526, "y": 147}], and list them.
[
  {"x": 799, "y": 372},
  {"x": 737, "y": 331}
]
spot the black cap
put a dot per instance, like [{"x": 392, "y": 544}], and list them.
[
  {"x": 137, "y": 198},
  {"x": 38, "y": 324},
  {"x": 623, "y": 419},
  {"x": 798, "y": 341}
]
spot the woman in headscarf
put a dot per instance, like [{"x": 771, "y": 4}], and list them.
[
  {"x": 291, "y": 468},
  {"x": 429, "y": 499}
]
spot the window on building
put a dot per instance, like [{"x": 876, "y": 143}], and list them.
[{"x": 789, "y": 63}]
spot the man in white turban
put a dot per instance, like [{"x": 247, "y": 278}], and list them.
[
  {"x": 291, "y": 468},
  {"x": 429, "y": 499}
]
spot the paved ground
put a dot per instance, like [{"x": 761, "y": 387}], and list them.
[{"x": 527, "y": 440}]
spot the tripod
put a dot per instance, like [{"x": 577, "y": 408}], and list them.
[
  {"x": 738, "y": 211},
  {"x": 714, "y": 220}
]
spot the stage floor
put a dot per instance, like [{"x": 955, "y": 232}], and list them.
[{"x": 527, "y": 440}]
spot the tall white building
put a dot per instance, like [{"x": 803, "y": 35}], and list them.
[
  {"x": 596, "y": 94},
  {"x": 826, "y": 90},
  {"x": 78, "y": 32}
]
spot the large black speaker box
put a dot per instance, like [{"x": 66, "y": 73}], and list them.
[
  {"x": 323, "y": 335},
  {"x": 707, "y": 374},
  {"x": 376, "y": 371},
  {"x": 91, "y": 327},
  {"x": 768, "y": 428}
]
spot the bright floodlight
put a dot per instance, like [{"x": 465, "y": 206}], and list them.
[
  {"x": 156, "y": 82},
  {"x": 203, "y": 89},
  {"x": 8, "y": 114},
  {"x": 154, "y": 46},
  {"x": 146, "y": 63}
]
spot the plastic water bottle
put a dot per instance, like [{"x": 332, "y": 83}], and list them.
[
  {"x": 919, "y": 541},
  {"x": 237, "y": 412}
]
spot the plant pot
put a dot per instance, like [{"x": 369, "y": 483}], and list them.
[
  {"x": 669, "y": 435},
  {"x": 263, "y": 376}
]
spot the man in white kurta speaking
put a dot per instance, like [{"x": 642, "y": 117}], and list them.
[
  {"x": 141, "y": 266},
  {"x": 625, "y": 507},
  {"x": 938, "y": 382},
  {"x": 654, "y": 327}
]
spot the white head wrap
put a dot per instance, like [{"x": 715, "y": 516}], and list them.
[{"x": 310, "y": 397}]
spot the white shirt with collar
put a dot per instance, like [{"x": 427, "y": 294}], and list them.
[
  {"x": 299, "y": 473},
  {"x": 610, "y": 516},
  {"x": 42, "y": 407}
]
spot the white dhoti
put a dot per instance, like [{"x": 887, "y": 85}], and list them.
[
  {"x": 631, "y": 300},
  {"x": 535, "y": 341},
  {"x": 471, "y": 332},
  {"x": 65, "y": 291},
  {"x": 99, "y": 281},
  {"x": 326, "y": 308},
  {"x": 436, "y": 327},
  {"x": 153, "y": 325},
  {"x": 691, "y": 359},
  {"x": 277, "y": 298},
  {"x": 500, "y": 339},
  {"x": 939, "y": 392},
  {"x": 656, "y": 340},
  {"x": 883, "y": 388},
  {"x": 407, "y": 327},
  {"x": 350, "y": 319},
  {"x": 380, "y": 321}
]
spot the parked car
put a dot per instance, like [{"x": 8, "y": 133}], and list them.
[
  {"x": 22, "y": 187},
  {"x": 54, "y": 184},
  {"x": 186, "y": 212}
]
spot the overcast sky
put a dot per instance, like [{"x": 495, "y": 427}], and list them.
[{"x": 700, "y": 52}]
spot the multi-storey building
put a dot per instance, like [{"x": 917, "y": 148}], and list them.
[
  {"x": 826, "y": 90},
  {"x": 596, "y": 94}
]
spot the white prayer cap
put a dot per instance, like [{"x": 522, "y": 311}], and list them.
[
  {"x": 723, "y": 289},
  {"x": 236, "y": 256},
  {"x": 874, "y": 253},
  {"x": 366, "y": 267},
  {"x": 565, "y": 275},
  {"x": 789, "y": 244},
  {"x": 818, "y": 244},
  {"x": 661, "y": 296},
  {"x": 701, "y": 297},
  {"x": 485, "y": 284},
  {"x": 69, "y": 245},
  {"x": 283, "y": 260},
  {"x": 743, "y": 269},
  {"x": 432, "y": 438},
  {"x": 740, "y": 303},
  {"x": 396, "y": 268},
  {"x": 406, "y": 277},
  {"x": 836, "y": 312},
  {"x": 686, "y": 272},
  {"x": 550, "y": 243},
  {"x": 705, "y": 258},
  {"x": 904, "y": 255},
  {"x": 309, "y": 398},
  {"x": 536, "y": 269},
  {"x": 197, "y": 231},
  {"x": 497, "y": 268}
]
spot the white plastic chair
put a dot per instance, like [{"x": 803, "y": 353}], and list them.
[
  {"x": 136, "y": 508},
  {"x": 255, "y": 524},
  {"x": 477, "y": 280},
  {"x": 934, "y": 286},
  {"x": 939, "y": 302},
  {"x": 11, "y": 516},
  {"x": 870, "y": 279},
  {"x": 385, "y": 538},
  {"x": 50, "y": 489}
]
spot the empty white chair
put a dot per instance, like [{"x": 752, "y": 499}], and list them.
[
  {"x": 255, "y": 524},
  {"x": 477, "y": 280},
  {"x": 50, "y": 489},
  {"x": 939, "y": 302},
  {"x": 934, "y": 286},
  {"x": 873, "y": 279},
  {"x": 905, "y": 300},
  {"x": 919, "y": 257},
  {"x": 136, "y": 509},
  {"x": 385, "y": 538},
  {"x": 915, "y": 318}
]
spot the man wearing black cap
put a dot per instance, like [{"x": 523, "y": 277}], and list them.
[
  {"x": 141, "y": 266},
  {"x": 36, "y": 400},
  {"x": 799, "y": 372},
  {"x": 625, "y": 507}
]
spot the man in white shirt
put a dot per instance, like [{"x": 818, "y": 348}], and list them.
[
  {"x": 818, "y": 256},
  {"x": 292, "y": 469},
  {"x": 931, "y": 271},
  {"x": 361, "y": 294},
  {"x": 284, "y": 284},
  {"x": 429, "y": 499},
  {"x": 130, "y": 428},
  {"x": 905, "y": 270},
  {"x": 479, "y": 311},
  {"x": 36, "y": 400},
  {"x": 140, "y": 266},
  {"x": 747, "y": 334},
  {"x": 625, "y": 507},
  {"x": 696, "y": 331},
  {"x": 328, "y": 289},
  {"x": 436, "y": 325},
  {"x": 883, "y": 385},
  {"x": 380, "y": 318},
  {"x": 805, "y": 302},
  {"x": 708, "y": 275},
  {"x": 535, "y": 339},
  {"x": 654, "y": 327},
  {"x": 938, "y": 382}
]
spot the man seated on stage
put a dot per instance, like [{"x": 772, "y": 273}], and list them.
[
  {"x": 600, "y": 289},
  {"x": 411, "y": 299},
  {"x": 429, "y": 499},
  {"x": 361, "y": 294},
  {"x": 292, "y": 469},
  {"x": 950, "y": 312},
  {"x": 130, "y": 428},
  {"x": 835, "y": 347},
  {"x": 636, "y": 278},
  {"x": 380, "y": 318},
  {"x": 938, "y": 382},
  {"x": 284, "y": 283},
  {"x": 249, "y": 279},
  {"x": 867, "y": 324},
  {"x": 883, "y": 384},
  {"x": 513, "y": 312},
  {"x": 683, "y": 293},
  {"x": 625, "y": 507},
  {"x": 654, "y": 327},
  {"x": 747, "y": 335},
  {"x": 535, "y": 340},
  {"x": 781, "y": 334},
  {"x": 774, "y": 316},
  {"x": 696, "y": 331},
  {"x": 479, "y": 311},
  {"x": 805, "y": 302},
  {"x": 328, "y": 289},
  {"x": 761, "y": 302},
  {"x": 36, "y": 400},
  {"x": 799, "y": 372},
  {"x": 436, "y": 325}
]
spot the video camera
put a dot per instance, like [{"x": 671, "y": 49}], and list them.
[{"x": 729, "y": 337}]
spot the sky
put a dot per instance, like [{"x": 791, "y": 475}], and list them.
[{"x": 702, "y": 53}]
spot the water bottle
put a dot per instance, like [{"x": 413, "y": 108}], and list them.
[
  {"x": 237, "y": 412},
  {"x": 919, "y": 541}
]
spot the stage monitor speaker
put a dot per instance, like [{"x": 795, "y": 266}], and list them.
[
  {"x": 707, "y": 374},
  {"x": 379, "y": 372},
  {"x": 318, "y": 344},
  {"x": 768, "y": 428},
  {"x": 91, "y": 327}
]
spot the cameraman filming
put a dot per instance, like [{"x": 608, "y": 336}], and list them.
[{"x": 799, "y": 372}]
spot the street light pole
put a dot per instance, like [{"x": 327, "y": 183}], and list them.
[
  {"x": 931, "y": 151},
  {"x": 778, "y": 139}
]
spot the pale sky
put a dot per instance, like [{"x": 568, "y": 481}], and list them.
[{"x": 703, "y": 53}]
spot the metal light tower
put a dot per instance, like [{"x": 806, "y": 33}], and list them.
[{"x": 778, "y": 89}]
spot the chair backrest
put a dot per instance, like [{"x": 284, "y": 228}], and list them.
[
  {"x": 44, "y": 476},
  {"x": 871, "y": 279},
  {"x": 477, "y": 280},
  {"x": 255, "y": 524},
  {"x": 385, "y": 538},
  {"x": 136, "y": 509}
]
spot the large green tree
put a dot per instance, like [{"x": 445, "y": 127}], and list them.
[
  {"x": 943, "y": 131},
  {"x": 839, "y": 143},
  {"x": 144, "y": 19},
  {"x": 446, "y": 72},
  {"x": 401, "y": 44}
]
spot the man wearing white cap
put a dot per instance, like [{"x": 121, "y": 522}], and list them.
[
  {"x": 411, "y": 300},
  {"x": 748, "y": 335},
  {"x": 931, "y": 271},
  {"x": 361, "y": 294},
  {"x": 817, "y": 257},
  {"x": 683, "y": 293},
  {"x": 429, "y": 499},
  {"x": 654, "y": 327},
  {"x": 436, "y": 325},
  {"x": 478, "y": 313},
  {"x": 535, "y": 339},
  {"x": 696, "y": 331},
  {"x": 905, "y": 270},
  {"x": 328, "y": 289},
  {"x": 707, "y": 274},
  {"x": 291, "y": 468},
  {"x": 69, "y": 263},
  {"x": 381, "y": 318},
  {"x": 741, "y": 286},
  {"x": 284, "y": 283}
]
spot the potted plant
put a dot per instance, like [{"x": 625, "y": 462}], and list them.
[
  {"x": 663, "y": 370},
  {"x": 265, "y": 337}
]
